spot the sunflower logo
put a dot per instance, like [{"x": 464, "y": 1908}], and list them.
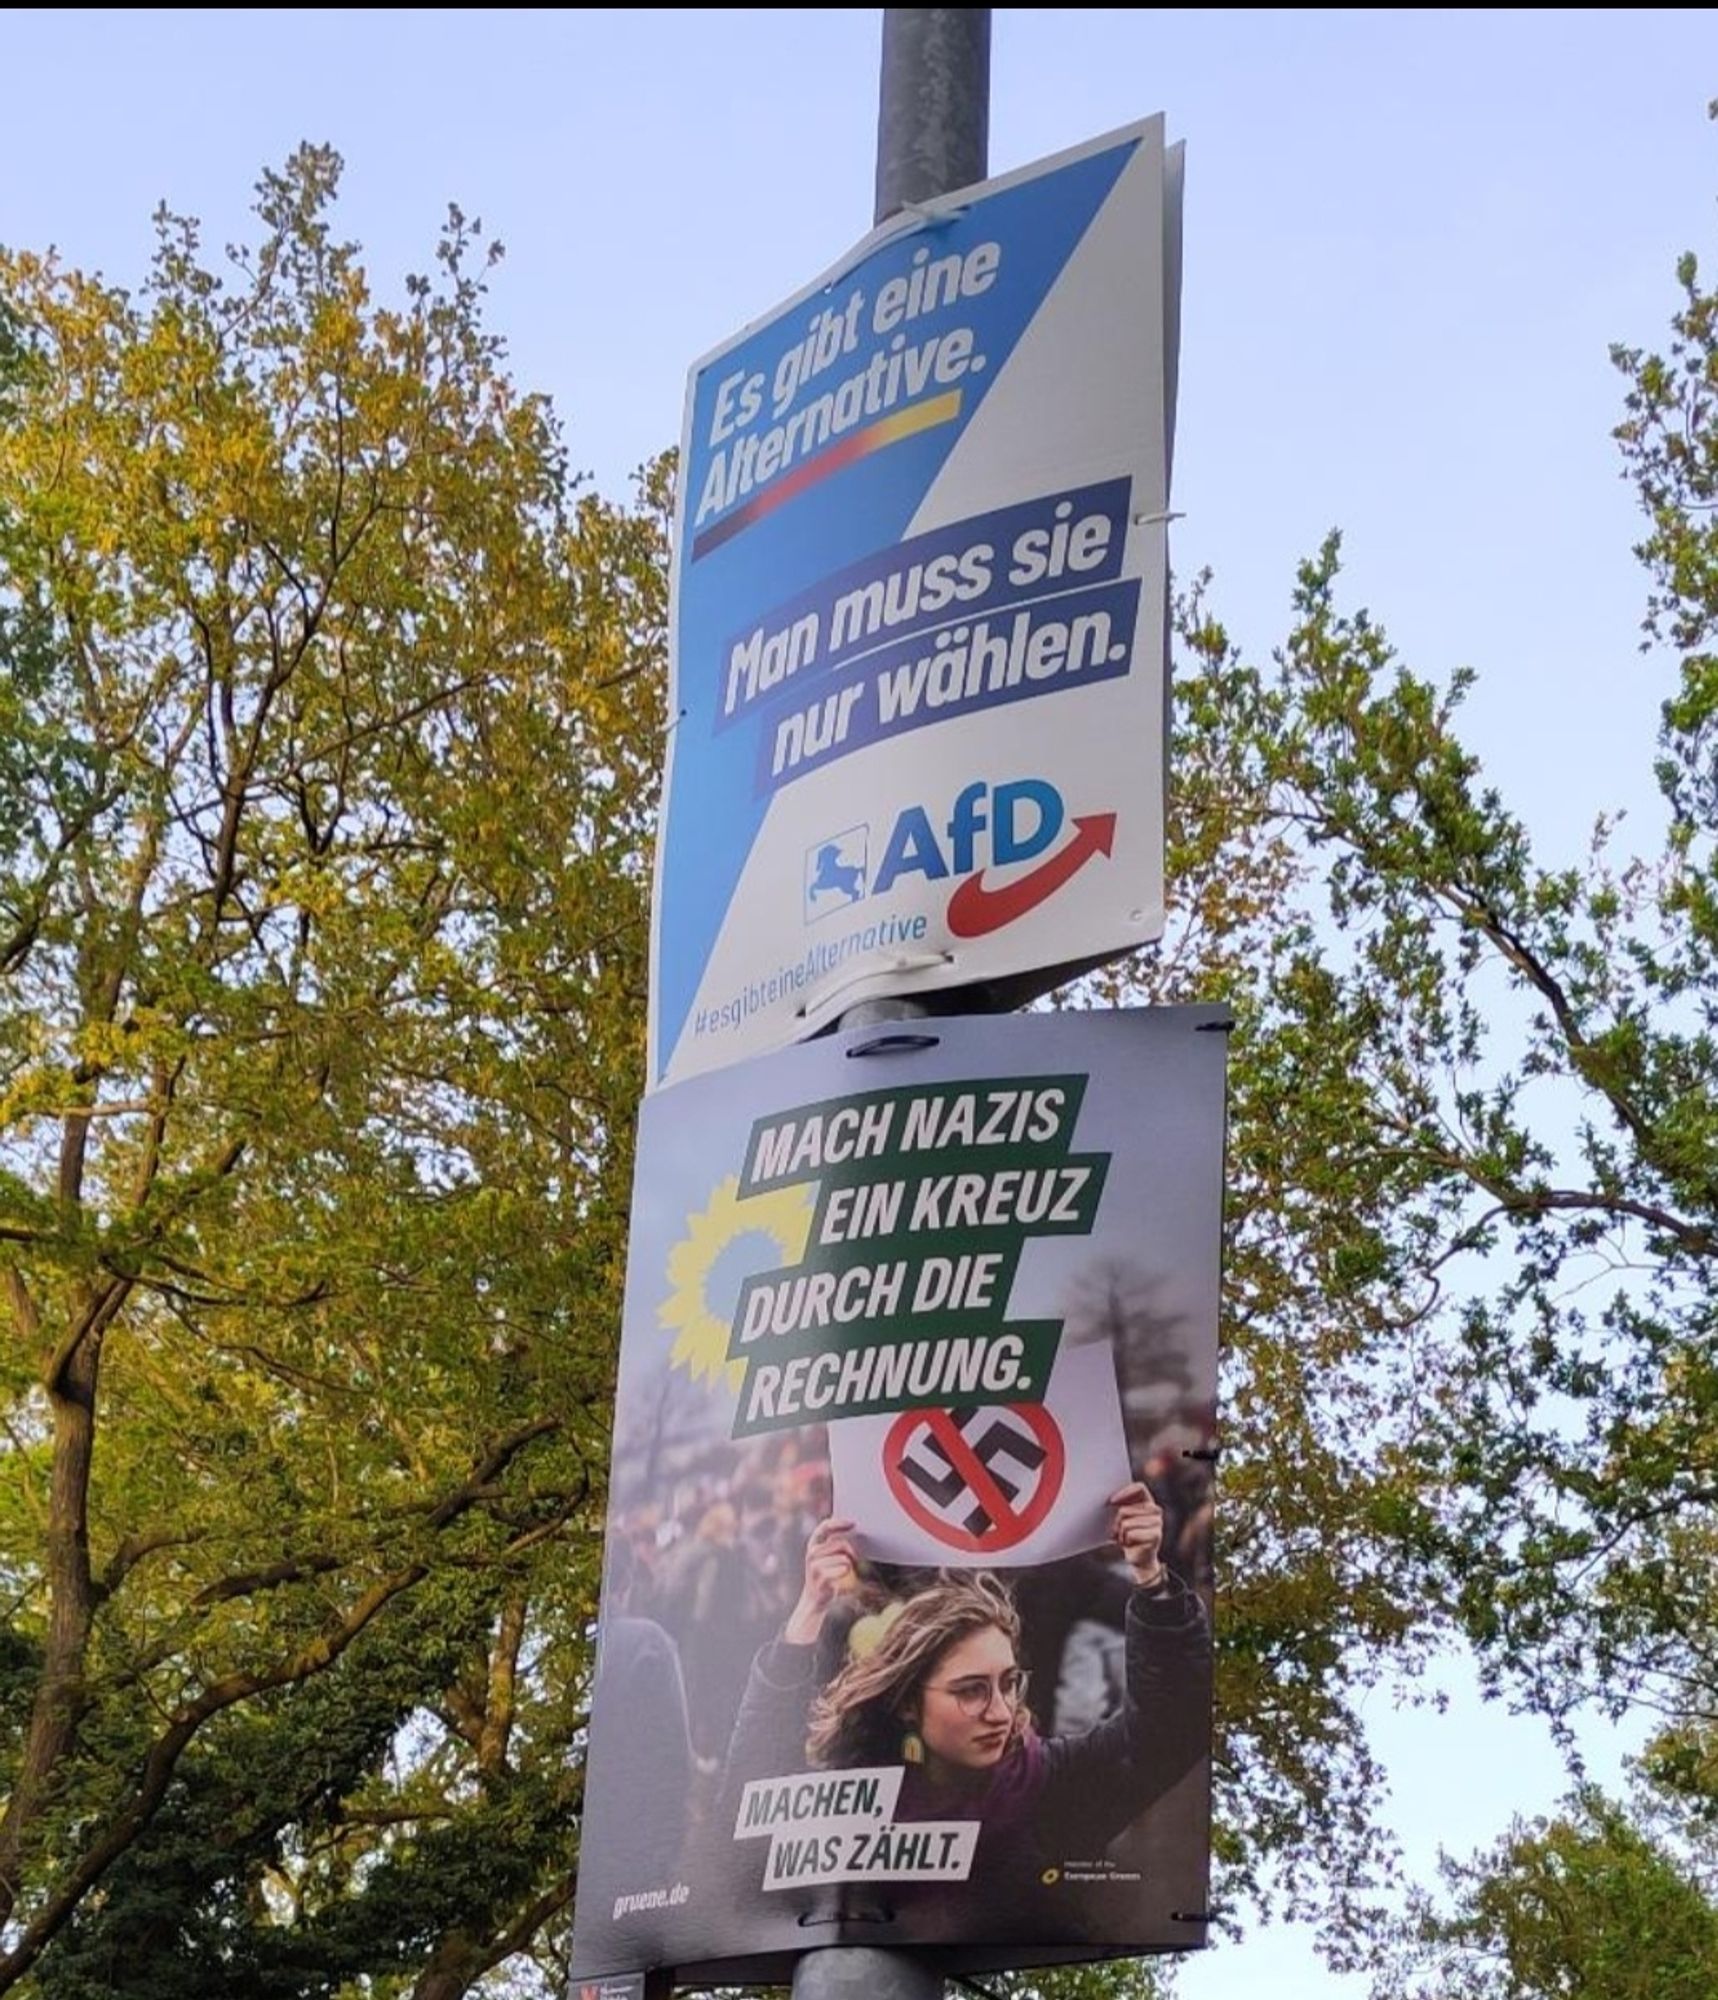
[{"x": 726, "y": 1243}]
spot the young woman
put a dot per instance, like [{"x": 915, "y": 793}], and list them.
[{"x": 935, "y": 1685}]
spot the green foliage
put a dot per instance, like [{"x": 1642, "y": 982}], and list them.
[
  {"x": 1473, "y": 1191},
  {"x": 327, "y": 767},
  {"x": 1327, "y": 1508},
  {"x": 1112, "y": 1979},
  {"x": 1584, "y": 1906},
  {"x": 327, "y": 760}
]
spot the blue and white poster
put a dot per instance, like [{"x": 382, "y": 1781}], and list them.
[{"x": 920, "y": 604}]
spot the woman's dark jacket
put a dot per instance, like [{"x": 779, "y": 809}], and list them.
[{"x": 1051, "y": 1801}]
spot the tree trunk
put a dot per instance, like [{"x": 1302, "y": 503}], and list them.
[
  {"x": 455, "y": 1964},
  {"x": 71, "y": 1596}
]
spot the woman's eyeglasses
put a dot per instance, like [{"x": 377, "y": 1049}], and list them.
[{"x": 974, "y": 1693}]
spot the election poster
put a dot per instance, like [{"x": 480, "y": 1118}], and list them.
[
  {"x": 919, "y": 615},
  {"x": 905, "y": 1628}
]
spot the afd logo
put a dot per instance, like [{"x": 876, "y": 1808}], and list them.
[{"x": 994, "y": 826}]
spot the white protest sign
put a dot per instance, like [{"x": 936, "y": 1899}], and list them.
[{"x": 991, "y": 1486}]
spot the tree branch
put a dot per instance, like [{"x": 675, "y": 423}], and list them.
[{"x": 164, "y": 1754}]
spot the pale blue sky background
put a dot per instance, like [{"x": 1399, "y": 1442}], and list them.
[{"x": 1410, "y": 238}]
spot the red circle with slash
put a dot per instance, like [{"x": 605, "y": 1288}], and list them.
[{"x": 1011, "y": 1521}]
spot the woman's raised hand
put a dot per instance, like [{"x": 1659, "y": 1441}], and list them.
[
  {"x": 831, "y": 1566},
  {"x": 1137, "y": 1530}
]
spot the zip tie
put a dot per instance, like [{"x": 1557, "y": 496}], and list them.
[
  {"x": 895, "y": 228},
  {"x": 902, "y": 962},
  {"x": 932, "y": 215}
]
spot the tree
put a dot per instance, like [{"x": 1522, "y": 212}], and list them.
[
  {"x": 1475, "y": 1143},
  {"x": 1326, "y": 1502},
  {"x": 334, "y": 721},
  {"x": 327, "y": 760},
  {"x": 1583, "y": 1906},
  {"x": 327, "y": 754}
]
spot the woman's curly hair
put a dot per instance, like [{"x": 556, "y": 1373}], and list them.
[{"x": 859, "y": 1717}]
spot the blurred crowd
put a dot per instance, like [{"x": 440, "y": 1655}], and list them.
[{"x": 717, "y": 1565}]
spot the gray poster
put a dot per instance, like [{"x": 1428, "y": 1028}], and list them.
[{"x": 905, "y": 1629}]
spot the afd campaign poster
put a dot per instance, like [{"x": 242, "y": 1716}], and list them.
[
  {"x": 905, "y": 1629},
  {"x": 919, "y": 615}
]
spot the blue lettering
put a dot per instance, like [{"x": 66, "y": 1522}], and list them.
[
  {"x": 1007, "y": 843},
  {"x": 912, "y": 849},
  {"x": 1017, "y": 820},
  {"x": 966, "y": 823}
]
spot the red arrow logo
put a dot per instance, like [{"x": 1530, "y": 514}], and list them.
[{"x": 973, "y": 909}]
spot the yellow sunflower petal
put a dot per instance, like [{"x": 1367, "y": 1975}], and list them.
[{"x": 701, "y": 1342}]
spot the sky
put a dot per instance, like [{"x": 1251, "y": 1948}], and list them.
[{"x": 1410, "y": 239}]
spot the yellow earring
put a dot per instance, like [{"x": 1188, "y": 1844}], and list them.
[{"x": 912, "y": 1748}]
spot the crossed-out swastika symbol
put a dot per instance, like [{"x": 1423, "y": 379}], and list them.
[{"x": 978, "y": 1479}]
